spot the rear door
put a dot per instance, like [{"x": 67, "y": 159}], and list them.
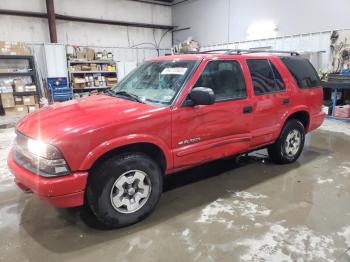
[
  {"x": 270, "y": 102},
  {"x": 207, "y": 132},
  {"x": 307, "y": 84}
]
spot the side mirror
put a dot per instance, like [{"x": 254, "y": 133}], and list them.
[{"x": 202, "y": 96}]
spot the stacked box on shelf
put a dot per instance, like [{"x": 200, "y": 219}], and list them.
[
  {"x": 14, "y": 48},
  {"x": 16, "y": 105},
  {"x": 18, "y": 81},
  {"x": 91, "y": 72}
]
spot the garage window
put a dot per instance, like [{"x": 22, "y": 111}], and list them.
[{"x": 225, "y": 78}]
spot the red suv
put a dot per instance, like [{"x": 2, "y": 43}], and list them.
[{"x": 111, "y": 152}]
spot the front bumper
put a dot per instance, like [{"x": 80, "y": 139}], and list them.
[
  {"x": 316, "y": 121},
  {"x": 62, "y": 192}
]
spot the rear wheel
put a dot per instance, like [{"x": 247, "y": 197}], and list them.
[
  {"x": 124, "y": 189},
  {"x": 290, "y": 144}
]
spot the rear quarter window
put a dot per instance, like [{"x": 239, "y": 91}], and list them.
[{"x": 303, "y": 71}]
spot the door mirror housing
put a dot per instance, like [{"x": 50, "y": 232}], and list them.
[{"x": 202, "y": 96}]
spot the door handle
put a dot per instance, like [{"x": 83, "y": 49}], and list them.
[
  {"x": 247, "y": 109},
  {"x": 285, "y": 101}
]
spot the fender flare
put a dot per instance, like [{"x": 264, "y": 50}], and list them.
[
  {"x": 118, "y": 142},
  {"x": 290, "y": 112}
]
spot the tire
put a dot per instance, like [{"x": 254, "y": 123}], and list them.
[
  {"x": 287, "y": 149},
  {"x": 124, "y": 189}
]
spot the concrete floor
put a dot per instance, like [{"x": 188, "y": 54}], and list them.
[{"x": 224, "y": 211}]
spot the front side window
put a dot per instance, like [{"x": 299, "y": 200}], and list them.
[
  {"x": 225, "y": 78},
  {"x": 155, "y": 81},
  {"x": 265, "y": 76}
]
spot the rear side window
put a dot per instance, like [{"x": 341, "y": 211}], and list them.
[
  {"x": 303, "y": 71},
  {"x": 265, "y": 76},
  {"x": 278, "y": 78}
]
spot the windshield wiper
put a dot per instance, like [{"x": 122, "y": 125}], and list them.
[
  {"x": 132, "y": 96},
  {"x": 109, "y": 92}
]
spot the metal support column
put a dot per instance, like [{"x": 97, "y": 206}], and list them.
[{"x": 52, "y": 20}]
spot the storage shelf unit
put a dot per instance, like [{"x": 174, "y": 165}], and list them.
[
  {"x": 26, "y": 93},
  {"x": 92, "y": 88},
  {"x": 91, "y": 62},
  {"x": 83, "y": 73},
  {"x": 29, "y": 72},
  {"x": 92, "y": 72},
  {"x": 10, "y": 74},
  {"x": 335, "y": 87}
]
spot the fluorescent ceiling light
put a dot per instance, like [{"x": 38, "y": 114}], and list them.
[{"x": 261, "y": 30}]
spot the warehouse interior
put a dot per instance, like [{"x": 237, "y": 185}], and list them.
[{"x": 61, "y": 61}]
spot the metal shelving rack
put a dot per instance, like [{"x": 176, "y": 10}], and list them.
[
  {"x": 335, "y": 87},
  {"x": 17, "y": 74},
  {"x": 71, "y": 73}
]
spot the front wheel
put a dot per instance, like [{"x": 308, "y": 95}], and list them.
[
  {"x": 124, "y": 189},
  {"x": 290, "y": 144}
]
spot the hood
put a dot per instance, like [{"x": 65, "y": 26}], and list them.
[{"x": 82, "y": 115}]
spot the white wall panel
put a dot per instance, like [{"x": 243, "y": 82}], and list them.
[
  {"x": 225, "y": 21},
  {"x": 35, "y": 30},
  {"x": 305, "y": 43}
]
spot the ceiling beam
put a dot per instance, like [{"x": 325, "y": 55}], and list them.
[{"x": 84, "y": 19}]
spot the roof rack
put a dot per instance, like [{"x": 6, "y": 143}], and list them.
[{"x": 248, "y": 51}]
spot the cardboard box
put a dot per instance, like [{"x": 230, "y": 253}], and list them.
[
  {"x": 79, "y": 80},
  {"x": 18, "y": 100},
  {"x": 17, "y": 48},
  {"x": 33, "y": 108},
  {"x": 30, "y": 88},
  {"x": 18, "y": 85},
  {"x": 85, "y": 68},
  {"x": 6, "y": 70},
  {"x": 111, "y": 81},
  {"x": 16, "y": 111},
  {"x": 28, "y": 100},
  {"x": 89, "y": 54},
  {"x": 20, "y": 49},
  {"x": 80, "y": 55},
  {"x": 77, "y": 68},
  {"x": 77, "y": 85},
  {"x": 6, "y": 89},
  {"x": 7, "y": 100},
  {"x": 93, "y": 67}
]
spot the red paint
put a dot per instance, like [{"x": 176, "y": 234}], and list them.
[
  {"x": 84, "y": 130},
  {"x": 70, "y": 188}
]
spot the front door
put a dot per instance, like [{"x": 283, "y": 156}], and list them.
[{"x": 204, "y": 133}]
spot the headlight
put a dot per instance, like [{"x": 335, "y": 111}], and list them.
[
  {"x": 41, "y": 149},
  {"x": 39, "y": 157}
]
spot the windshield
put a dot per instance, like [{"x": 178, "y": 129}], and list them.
[{"x": 156, "y": 81}]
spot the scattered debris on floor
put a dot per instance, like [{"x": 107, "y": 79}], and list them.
[{"x": 322, "y": 181}]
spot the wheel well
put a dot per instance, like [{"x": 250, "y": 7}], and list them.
[
  {"x": 303, "y": 117},
  {"x": 148, "y": 149}
]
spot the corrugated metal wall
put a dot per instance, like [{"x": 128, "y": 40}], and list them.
[{"x": 316, "y": 43}]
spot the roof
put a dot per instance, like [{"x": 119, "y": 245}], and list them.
[
  {"x": 228, "y": 53},
  {"x": 197, "y": 57}
]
